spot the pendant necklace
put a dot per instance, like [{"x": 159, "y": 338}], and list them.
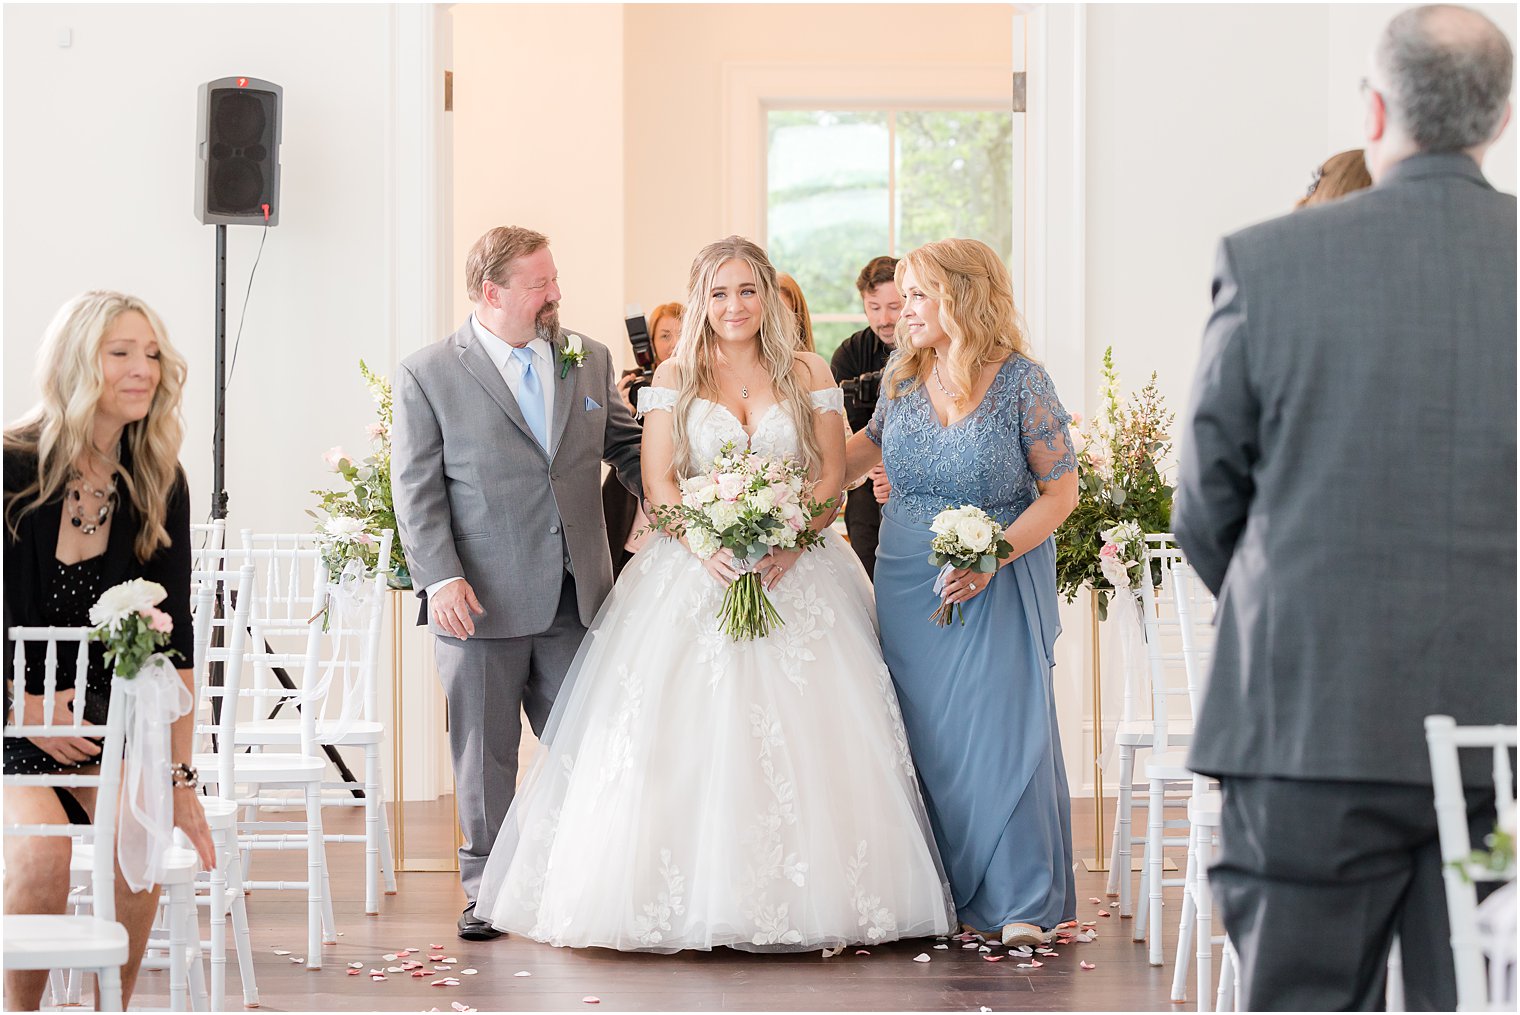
[
  {"x": 89, "y": 508},
  {"x": 941, "y": 384}
]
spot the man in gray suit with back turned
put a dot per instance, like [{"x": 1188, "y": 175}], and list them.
[
  {"x": 1347, "y": 489},
  {"x": 496, "y": 472}
]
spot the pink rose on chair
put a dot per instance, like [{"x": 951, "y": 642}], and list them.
[{"x": 1110, "y": 550}]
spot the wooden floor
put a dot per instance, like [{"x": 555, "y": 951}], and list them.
[{"x": 423, "y": 912}]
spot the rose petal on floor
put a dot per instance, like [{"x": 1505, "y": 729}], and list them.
[
  {"x": 1094, "y": 898},
  {"x": 457, "y": 1006},
  {"x": 356, "y": 965},
  {"x": 861, "y": 951},
  {"x": 969, "y": 944},
  {"x": 1105, "y": 915},
  {"x": 921, "y": 957},
  {"x": 378, "y": 976},
  {"x": 993, "y": 958},
  {"x": 450, "y": 960},
  {"x": 984, "y": 1008},
  {"x": 829, "y": 953},
  {"x": 447, "y": 981},
  {"x": 298, "y": 959},
  {"x": 522, "y": 972},
  {"x": 1086, "y": 965},
  {"x": 390, "y": 956},
  {"x": 1024, "y": 965},
  {"x": 418, "y": 974},
  {"x": 1036, "y": 963},
  {"x": 941, "y": 947},
  {"x": 1113, "y": 905},
  {"x": 355, "y": 972},
  {"x": 435, "y": 947},
  {"x": 984, "y": 948},
  {"x": 468, "y": 972},
  {"x": 436, "y": 957},
  {"x": 281, "y": 951},
  {"x": 591, "y": 999}
]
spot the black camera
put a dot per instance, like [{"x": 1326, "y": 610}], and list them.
[
  {"x": 861, "y": 392},
  {"x": 643, "y": 353}
]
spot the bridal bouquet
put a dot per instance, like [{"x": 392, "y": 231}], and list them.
[
  {"x": 749, "y": 502},
  {"x": 127, "y": 619},
  {"x": 965, "y": 538}
]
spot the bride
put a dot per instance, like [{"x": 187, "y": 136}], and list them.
[{"x": 692, "y": 791}]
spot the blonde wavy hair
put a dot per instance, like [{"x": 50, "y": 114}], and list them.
[
  {"x": 976, "y": 310},
  {"x": 697, "y": 354},
  {"x": 58, "y": 429}
]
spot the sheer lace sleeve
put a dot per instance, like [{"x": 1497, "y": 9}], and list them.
[
  {"x": 1043, "y": 427},
  {"x": 878, "y": 419},
  {"x": 652, "y": 398},
  {"x": 829, "y": 400}
]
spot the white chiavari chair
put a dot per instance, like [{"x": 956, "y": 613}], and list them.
[
  {"x": 94, "y": 943},
  {"x": 230, "y": 769},
  {"x": 1477, "y": 989},
  {"x": 354, "y": 620}
]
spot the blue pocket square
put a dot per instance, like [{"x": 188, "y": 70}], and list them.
[{"x": 591, "y": 405}]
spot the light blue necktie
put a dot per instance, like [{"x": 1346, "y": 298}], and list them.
[{"x": 532, "y": 400}]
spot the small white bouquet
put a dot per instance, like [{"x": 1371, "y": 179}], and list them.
[
  {"x": 749, "y": 502},
  {"x": 1122, "y": 554},
  {"x": 128, "y": 621},
  {"x": 343, "y": 540},
  {"x": 965, "y": 539}
]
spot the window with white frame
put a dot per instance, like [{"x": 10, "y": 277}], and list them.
[{"x": 844, "y": 186}]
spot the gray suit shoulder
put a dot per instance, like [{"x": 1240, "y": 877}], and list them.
[{"x": 444, "y": 350}]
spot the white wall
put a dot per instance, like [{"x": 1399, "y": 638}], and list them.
[
  {"x": 538, "y": 108},
  {"x": 99, "y": 160}
]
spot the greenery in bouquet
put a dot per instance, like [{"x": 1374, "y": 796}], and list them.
[
  {"x": 1120, "y": 481},
  {"x": 1497, "y": 862},
  {"x": 130, "y": 624},
  {"x": 966, "y": 538},
  {"x": 363, "y": 504},
  {"x": 748, "y": 502}
]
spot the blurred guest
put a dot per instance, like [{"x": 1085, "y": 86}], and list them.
[
  {"x": 967, "y": 417},
  {"x": 791, "y": 295},
  {"x": 627, "y": 525},
  {"x": 94, "y": 496},
  {"x": 1341, "y": 174},
  {"x": 857, "y": 366},
  {"x": 1352, "y": 427}
]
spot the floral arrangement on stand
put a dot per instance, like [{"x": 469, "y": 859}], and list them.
[
  {"x": 1123, "y": 493},
  {"x": 347, "y": 515},
  {"x": 748, "y": 502}
]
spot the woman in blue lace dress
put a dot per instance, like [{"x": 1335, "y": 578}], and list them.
[{"x": 967, "y": 417}]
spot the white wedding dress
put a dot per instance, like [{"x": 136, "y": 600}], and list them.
[{"x": 692, "y": 792}]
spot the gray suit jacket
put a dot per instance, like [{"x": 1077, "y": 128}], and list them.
[
  {"x": 477, "y": 496},
  {"x": 1347, "y": 479}
]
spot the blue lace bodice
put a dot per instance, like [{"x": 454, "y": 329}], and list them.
[{"x": 1016, "y": 437}]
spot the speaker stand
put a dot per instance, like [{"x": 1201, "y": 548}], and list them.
[{"x": 219, "y": 426}]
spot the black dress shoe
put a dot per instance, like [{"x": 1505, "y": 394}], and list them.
[{"x": 471, "y": 928}]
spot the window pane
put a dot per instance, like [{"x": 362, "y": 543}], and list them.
[
  {"x": 827, "y": 335},
  {"x": 955, "y": 178},
  {"x": 827, "y": 204}
]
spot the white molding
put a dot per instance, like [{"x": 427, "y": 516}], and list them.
[{"x": 751, "y": 89}]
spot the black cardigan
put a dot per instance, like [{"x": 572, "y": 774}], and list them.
[{"x": 30, "y": 554}]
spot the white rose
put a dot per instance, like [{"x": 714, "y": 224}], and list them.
[
  {"x": 698, "y": 489},
  {"x": 136, "y": 596},
  {"x": 943, "y": 522},
  {"x": 763, "y": 499},
  {"x": 975, "y": 533},
  {"x": 703, "y": 543}
]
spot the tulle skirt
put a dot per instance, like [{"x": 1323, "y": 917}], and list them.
[{"x": 694, "y": 792}]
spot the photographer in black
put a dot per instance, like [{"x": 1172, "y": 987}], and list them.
[
  {"x": 857, "y": 366},
  {"x": 653, "y": 343}
]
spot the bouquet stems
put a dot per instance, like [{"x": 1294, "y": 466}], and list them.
[
  {"x": 747, "y": 612},
  {"x": 946, "y": 612}
]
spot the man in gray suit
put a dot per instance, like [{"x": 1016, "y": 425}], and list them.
[
  {"x": 1347, "y": 489},
  {"x": 499, "y": 437}
]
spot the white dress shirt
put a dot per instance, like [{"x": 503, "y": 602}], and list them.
[{"x": 512, "y": 372}]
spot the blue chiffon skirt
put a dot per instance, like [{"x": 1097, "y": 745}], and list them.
[{"x": 980, "y": 713}]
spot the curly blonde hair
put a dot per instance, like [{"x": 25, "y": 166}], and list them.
[
  {"x": 57, "y": 431},
  {"x": 696, "y": 355},
  {"x": 976, "y": 310}
]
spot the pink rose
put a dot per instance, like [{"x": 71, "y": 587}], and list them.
[
  {"x": 1110, "y": 550},
  {"x": 159, "y": 621},
  {"x": 375, "y": 430},
  {"x": 334, "y": 457},
  {"x": 1076, "y": 419},
  {"x": 730, "y": 486}
]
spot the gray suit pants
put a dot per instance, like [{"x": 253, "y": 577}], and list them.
[
  {"x": 1313, "y": 879},
  {"x": 489, "y": 683}
]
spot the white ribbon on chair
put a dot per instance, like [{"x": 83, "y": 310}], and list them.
[
  {"x": 350, "y": 601},
  {"x": 154, "y": 699},
  {"x": 1126, "y": 632}
]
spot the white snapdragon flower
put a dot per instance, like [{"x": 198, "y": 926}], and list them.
[{"x": 121, "y": 601}]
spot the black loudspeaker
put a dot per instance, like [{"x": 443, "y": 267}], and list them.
[{"x": 237, "y": 172}]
